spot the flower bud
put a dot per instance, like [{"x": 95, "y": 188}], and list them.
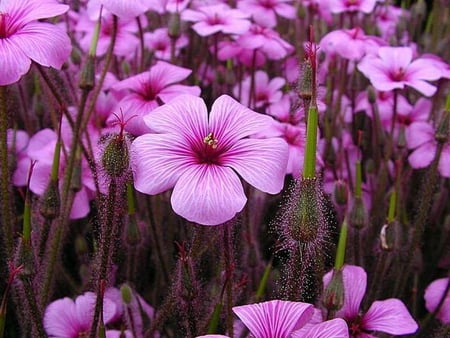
[
  {"x": 87, "y": 76},
  {"x": 358, "y": 214},
  {"x": 133, "y": 235},
  {"x": 115, "y": 158},
  {"x": 126, "y": 294},
  {"x": 305, "y": 222},
  {"x": 174, "y": 26},
  {"x": 340, "y": 192},
  {"x": 333, "y": 295},
  {"x": 443, "y": 128},
  {"x": 50, "y": 201}
]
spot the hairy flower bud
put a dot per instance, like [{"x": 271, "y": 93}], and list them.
[
  {"x": 50, "y": 201},
  {"x": 306, "y": 218},
  {"x": 174, "y": 26},
  {"x": 126, "y": 294},
  {"x": 333, "y": 295},
  {"x": 115, "y": 158},
  {"x": 87, "y": 76}
]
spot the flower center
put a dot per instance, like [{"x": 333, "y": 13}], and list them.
[
  {"x": 209, "y": 153},
  {"x": 3, "y": 31},
  {"x": 398, "y": 75}
]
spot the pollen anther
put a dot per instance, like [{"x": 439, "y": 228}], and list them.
[{"x": 210, "y": 140}]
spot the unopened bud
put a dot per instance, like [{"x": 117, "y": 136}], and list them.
[
  {"x": 443, "y": 128},
  {"x": 333, "y": 295},
  {"x": 115, "y": 159},
  {"x": 174, "y": 26},
  {"x": 76, "y": 182},
  {"x": 358, "y": 215},
  {"x": 371, "y": 95},
  {"x": 50, "y": 201},
  {"x": 81, "y": 247},
  {"x": 133, "y": 235},
  {"x": 340, "y": 192},
  {"x": 87, "y": 76},
  {"x": 305, "y": 223},
  {"x": 306, "y": 85},
  {"x": 126, "y": 293}
]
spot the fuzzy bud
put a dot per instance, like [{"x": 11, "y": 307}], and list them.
[
  {"x": 372, "y": 95},
  {"x": 306, "y": 85},
  {"x": 340, "y": 192},
  {"x": 358, "y": 214},
  {"x": 305, "y": 223},
  {"x": 133, "y": 235},
  {"x": 387, "y": 237},
  {"x": 333, "y": 295},
  {"x": 126, "y": 294},
  {"x": 115, "y": 159},
  {"x": 76, "y": 182},
  {"x": 50, "y": 201}
]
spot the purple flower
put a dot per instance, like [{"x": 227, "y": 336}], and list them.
[
  {"x": 283, "y": 319},
  {"x": 393, "y": 68},
  {"x": 65, "y": 318},
  {"x": 433, "y": 295},
  {"x": 217, "y": 18},
  {"x": 420, "y": 137},
  {"x": 24, "y": 39},
  {"x": 341, "y": 6},
  {"x": 147, "y": 90},
  {"x": 127, "y": 8},
  {"x": 351, "y": 44},
  {"x": 159, "y": 43},
  {"x": 390, "y": 316},
  {"x": 200, "y": 156},
  {"x": 264, "y": 11}
]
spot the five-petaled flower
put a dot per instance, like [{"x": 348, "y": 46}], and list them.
[
  {"x": 201, "y": 157},
  {"x": 24, "y": 39}
]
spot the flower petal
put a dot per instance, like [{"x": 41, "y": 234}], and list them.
[
  {"x": 208, "y": 194},
  {"x": 274, "y": 318},
  {"x": 60, "y": 319},
  {"x": 231, "y": 121},
  {"x": 419, "y": 133},
  {"x": 422, "y": 156},
  {"x": 44, "y": 43},
  {"x": 336, "y": 328},
  {"x": 433, "y": 294},
  {"x": 389, "y": 316},
  {"x": 25, "y": 11},
  {"x": 261, "y": 162},
  {"x": 186, "y": 115},
  {"x": 13, "y": 62},
  {"x": 158, "y": 161}
]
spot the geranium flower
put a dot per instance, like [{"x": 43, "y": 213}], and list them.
[
  {"x": 393, "y": 68},
  {"x": 200, "y": 156},
  {"x": 264, "y": 12},
  {"x": 433, "y": 295},
  {"x": 145, "y": 92},
  {"x": 265, "y": 92},
  {"x": 420, "y": 137},
  {"x": 159, "y": 43},
  {"x": 217, "y": 18},
  {"x": 341, "y": 6},
  {"x": 65, "y": 318},
  {"x": 24, "y": 39},
  {"x": 390, "y": 316},
  {"x": 282, "y": 319}
]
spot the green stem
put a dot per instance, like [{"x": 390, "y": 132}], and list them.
[
  {"x": 309, "y": 167},
  {"x": 340, "y": 252}
]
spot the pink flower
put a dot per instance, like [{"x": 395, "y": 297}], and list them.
[
  {"x": 127, "y": 8},
  {"x": 420, "y": 137},
  {"x": 390, "y": 316},
  {"x": 351, "y": 44},
  {"x": 264, "y": 11},
  {"x": 393, "y": 68},
  {"x": 217, "y": 18},
  {"x": 146, "y": 91},
  {"x": 433, "y": 295},
  {"x": 282, "y": 319},
  {"x": 126, "y": 40},
  {"x": 200, "y": 156},
  {"x": 24, "y": 39},
  {"x": 265, "y": 92},
  {"x": 65, "y": 318},
  {"x": 341, "y": 6},
  {"x": 159, "y": 43}
]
